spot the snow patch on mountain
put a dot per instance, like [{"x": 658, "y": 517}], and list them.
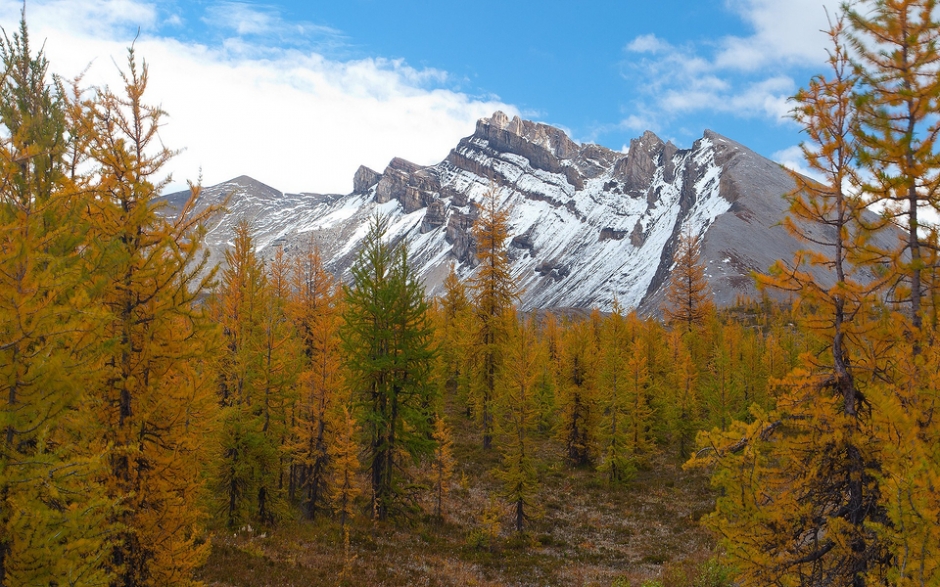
[{"x": 587, "y": 225}]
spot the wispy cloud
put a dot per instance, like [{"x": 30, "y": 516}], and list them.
[
  {"x": 243, "y": 19},
  {"x": 96, "y": 18},
  {"x": 730, "y": 75},
  {"x": 792, "y": 158},
  {"x": 283, "y": 113}
]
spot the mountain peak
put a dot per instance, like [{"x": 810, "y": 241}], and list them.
[
  {"x": 246, "y": 184},
  {"x": 587, "y": 225},
  {"x": 508, "y": 135}
]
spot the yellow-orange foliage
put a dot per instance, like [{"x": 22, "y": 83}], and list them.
[
  {"x": 689, "y": 297},
  {"x": 578, "y": 394},
  {"x": 616, "y": 455},
  {"x": 897, "y": 55},
  {"x": 800, "y": 501},
  {"x": 345, "y": 486},
  {"x": 518, "y": 410},
  {"x": 494, "y": 294},
  {"x": 155, "y": 405},
  {"x": 454, "y": 328},
  {"x": 279, "y": 347},
  {"x": 53, "y": 511},
  {"x": 682, "y": 394},
  {"x": 316, "y": 310}
]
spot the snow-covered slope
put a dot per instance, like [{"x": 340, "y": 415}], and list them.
[{"x": 587, "y": 226}]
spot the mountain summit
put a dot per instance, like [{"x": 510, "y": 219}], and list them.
[{"x": 588, "y": 226}]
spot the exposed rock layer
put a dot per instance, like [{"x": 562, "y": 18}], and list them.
[{"x": 588, "y": 225}]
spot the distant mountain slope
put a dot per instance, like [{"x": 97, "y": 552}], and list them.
[{"x": 588, "y": 225}]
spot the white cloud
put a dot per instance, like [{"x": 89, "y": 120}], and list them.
[
  {"x": 97, "y": 18},
  {"x": 732, "y": 75},
  {"x": 648, "y": 44},
  {"x": 792, "y": 159},
  {"x": 291, "y": 118},
  {"x": 638, "y": 124},
  {"x": 242, "y": 18},
  {"x": 784, "y": 32}
]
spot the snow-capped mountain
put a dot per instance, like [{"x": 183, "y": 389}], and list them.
[{"x": 588, "y": 225}]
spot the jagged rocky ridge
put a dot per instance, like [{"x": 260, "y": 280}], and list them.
[{"x": 588, "y": 225}]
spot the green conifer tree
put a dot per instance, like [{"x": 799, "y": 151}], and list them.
[{"x": 386, "y": 337}]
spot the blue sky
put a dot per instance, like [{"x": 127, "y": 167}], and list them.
[{"x": 298, "y": 94}]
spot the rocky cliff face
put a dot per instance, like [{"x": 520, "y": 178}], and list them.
[{"x": 588, "y": 225}]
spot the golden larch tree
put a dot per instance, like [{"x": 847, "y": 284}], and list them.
[
  {"x": 155, "y": 406},
  {"x": 442, "y": 465},
  {"x": 689, "y": 296},
  {"x": 801, "y": 501},
  {"x": 494, "y": 295},
  {"x": 454, "y": 326},
  {"x": 896, "y": 54},
  {"x": 279, "y": 366},
  {"x": 518, "y": 411},
  {"x": 895, "y": 46},
  {"x": 616, "y": 457},
  {"x": 578, "y": 394},
  {"x": 316, "y": 310},
  {"x": 257, "y": 371},
  {"x": 683, "y": 400},
  {"x": 344, "y": 486},
  {"x": 54, "y": 513}
]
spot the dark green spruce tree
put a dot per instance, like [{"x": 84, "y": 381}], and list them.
[{"x": 387, "y": 342}]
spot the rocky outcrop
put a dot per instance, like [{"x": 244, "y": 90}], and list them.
[
  {"x": 642, "y": 160},
  {"x": 435, "y": 217},
  {"x": 458, "y": 236},
  {"x": 364, "y": 179},
  {"x": 545, "y": 147},
  {"x": 396, "y": 181}
]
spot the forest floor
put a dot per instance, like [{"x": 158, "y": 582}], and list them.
[{"x": 583, "y": 532}]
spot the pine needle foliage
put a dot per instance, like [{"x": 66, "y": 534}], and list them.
[{"x": 387, "y": 342}]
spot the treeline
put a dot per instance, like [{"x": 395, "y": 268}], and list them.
[{"x": 319, "y": 381}]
